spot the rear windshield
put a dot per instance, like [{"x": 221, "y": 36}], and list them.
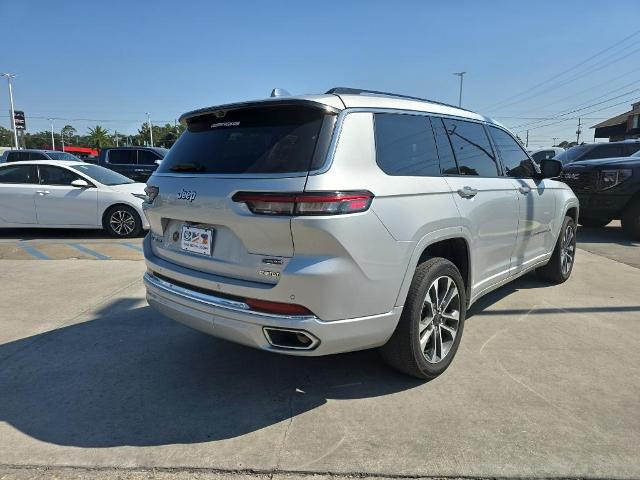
[{"x": 278, "y": 139}]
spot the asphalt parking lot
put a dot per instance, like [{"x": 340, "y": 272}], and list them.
[{"x": 94, "y": 384}]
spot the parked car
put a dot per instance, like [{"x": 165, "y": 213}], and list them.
[
  {"x": 546, "y": 153},
  {"x": 593, "y": 151},
  {"x": 33, "y": 154},
  {"x": 329, "y": 223},
  {"x": 608, "y": 189},
  {"x": 61, "y": 194},
  {"x": 137, "y": 163}
]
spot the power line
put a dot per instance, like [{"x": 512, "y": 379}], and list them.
[{"x": 555, "y": 77}]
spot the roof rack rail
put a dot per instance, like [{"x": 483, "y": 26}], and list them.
[{"x": 359, "y": 91}]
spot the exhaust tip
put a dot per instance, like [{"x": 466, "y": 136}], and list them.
[{"x": 290, "y": 339}]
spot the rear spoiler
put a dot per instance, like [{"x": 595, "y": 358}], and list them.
[{"x": 220, "y": 110}]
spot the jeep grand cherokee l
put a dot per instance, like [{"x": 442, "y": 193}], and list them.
[{"x": 330, "y": 223}]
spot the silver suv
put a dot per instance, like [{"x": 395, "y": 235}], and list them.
[{"x": 321, "y": 224}]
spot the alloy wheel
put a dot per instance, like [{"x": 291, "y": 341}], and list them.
[
  {"x": 122, "y": 222},
  {"x": 440, "y": 319},
  {"x": 567, "y": 249}
]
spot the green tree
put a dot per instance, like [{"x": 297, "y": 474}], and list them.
[
  {"x": 69, "y": 133},
  {"x": 6, "y": 137},
  {"x": 99, "y": 137}
]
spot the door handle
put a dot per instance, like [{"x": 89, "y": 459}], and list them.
[
  {"x": 467, "y": 192},
  {"x": 43, "y": 192},
  {"x": 523, "y": 189}
]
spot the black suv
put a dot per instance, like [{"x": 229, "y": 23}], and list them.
[
  {"x": 593, "y": 151},
  {"x": 137, "y": 163},
  {"x": 607, "y": 189}
]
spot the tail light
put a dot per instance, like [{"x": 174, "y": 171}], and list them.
[
  {"x": 277, "y": 307},
  {"x": 305, "y": 203},
  {"x": 152, "y": 193}
]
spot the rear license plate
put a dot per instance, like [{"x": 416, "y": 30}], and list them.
[{"x": 196, "y": 240}]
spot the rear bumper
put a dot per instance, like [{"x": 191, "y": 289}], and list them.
[{"x": 231, "y": 320}]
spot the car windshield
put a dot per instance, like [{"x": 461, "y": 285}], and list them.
[
  {"x": 572, "y": 154},
  {"x": 102, "y": 175},
  {"x": 63, "y": 156}
]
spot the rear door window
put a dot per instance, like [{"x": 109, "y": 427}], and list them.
[
  {"x": 266, "y": 140},
  {"x": 604, "y": 151},
  {"x": 37, "y": 156},
  {"x": 123, "y": 157},
  {"x": 631, "y": 148},
  {"x": 472, "y": 149},
  {"x": 405, "y": 145},
  {"x": 17, "y": 156},
  {"x": 18, "y": 174}
]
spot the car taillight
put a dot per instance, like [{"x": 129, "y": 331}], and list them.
[
  {"x": 305, "y": 203},
  {"x": 277, "y": 307},
  {"x": 151, "y": 192}
]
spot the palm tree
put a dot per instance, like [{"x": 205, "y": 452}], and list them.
[{"x": 99, "y": 137}]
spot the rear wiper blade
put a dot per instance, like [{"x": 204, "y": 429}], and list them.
[{"x": 187, "y": 167}]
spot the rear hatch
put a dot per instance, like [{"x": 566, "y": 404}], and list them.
[{"x": 262, "y": 147}]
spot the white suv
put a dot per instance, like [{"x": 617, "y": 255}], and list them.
[{"x": 329, "y": 223}]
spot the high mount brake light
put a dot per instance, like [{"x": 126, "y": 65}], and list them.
[{"x": 305, "y": 203}]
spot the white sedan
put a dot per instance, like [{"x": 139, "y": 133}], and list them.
[{"x": 62, "y": 194}]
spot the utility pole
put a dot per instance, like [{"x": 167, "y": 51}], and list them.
[
  {"x": 9, "y": 76},
  {"x": 53, "y": 140},
  {"x": 527, "y": 142},
  {"x": 461, "y": 75},
  {"x": 578, "y": 132},
  {"x": 117, "y": 138},
  {"x": 62, "y": 138},
  {"x": 150, "y": 128}
]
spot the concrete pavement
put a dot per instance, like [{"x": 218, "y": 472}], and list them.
[{"x": 545, "y": 384}]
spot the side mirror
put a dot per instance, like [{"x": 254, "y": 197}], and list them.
[
  {"x": 550, "y": 168},
  {"x": 80, "y": 183}
]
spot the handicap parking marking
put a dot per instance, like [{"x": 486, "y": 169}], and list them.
[
  {"x": 132, "y": 246},
  {"x": 89, "y": 251},
  {"x": 34, "y": 252}
]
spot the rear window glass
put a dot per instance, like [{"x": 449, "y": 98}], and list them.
[
  {"x": 405, "y": 145},
  {"x": 261, "y": 140}
]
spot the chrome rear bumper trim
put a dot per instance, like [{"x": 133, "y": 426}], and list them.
[{"x": 216, "y": 302}]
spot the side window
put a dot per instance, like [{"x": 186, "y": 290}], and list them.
[
  {"x": 18, "y": 174},
  {"x": 147, "y": 157},
  {"x": 17, "y": 156},
  {"x": 50, "y": 175},
  {"x": 472, "y": 148},
  {"x": 631, "y": 148},
  {"x": 514, "y": 159},
  {"x": 604, "y": 151},
  {"x": 37, "y": 156},
  {"x": 543, "y": 155},
  {"x": 405, "y": 145},
  {"x": 448, "y": 165},
  {"x": 122, "y": 157}
]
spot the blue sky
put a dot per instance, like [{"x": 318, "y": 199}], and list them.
[{"x": 113, "y": 61}]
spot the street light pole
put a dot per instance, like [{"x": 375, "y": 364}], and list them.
[
  {"x": 53, "y": 140},
  {"x": 461, "y": 75},
  {"x": 150, "y": 128},
  {"x": 9, "y": 76}
]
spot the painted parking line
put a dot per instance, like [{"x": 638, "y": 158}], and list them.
[
  {"x": 88, "y": 251},
  {"x": 132, "y": 246},
  {"x": 34, "y": 252}
]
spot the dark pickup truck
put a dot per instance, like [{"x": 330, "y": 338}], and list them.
[
  {"x": 608, "y": 188},
  {"x": 137, "y": 163}
]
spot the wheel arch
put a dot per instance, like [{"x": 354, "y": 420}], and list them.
[{"x": 450, "y": 243}]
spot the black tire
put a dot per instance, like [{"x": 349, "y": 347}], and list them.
[
  {"x": 554, "y": 271},
  {"x": 122, "y": 221},
  {"x": 403, "y": 350},
  {"x": 631, "y": 220},
  {"x": 593, "y": 222}
]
